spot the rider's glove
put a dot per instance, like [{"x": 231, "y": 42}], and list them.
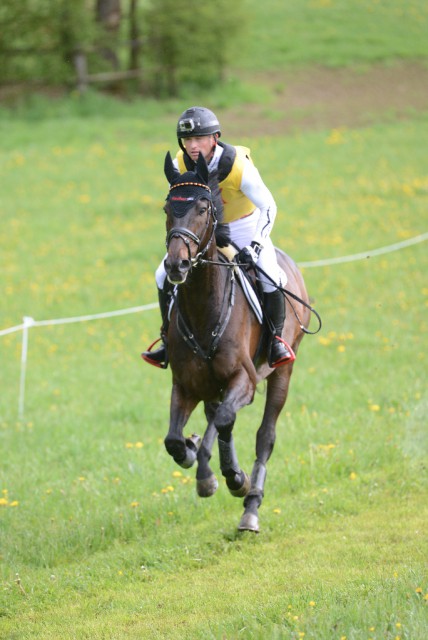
[{"x": 250, "y": 254}]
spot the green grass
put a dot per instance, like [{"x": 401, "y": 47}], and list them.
[
  {"x": 106, "y": 540},
  {"x": 100, "y": 537},
  {"x": 333, "y": 32}
]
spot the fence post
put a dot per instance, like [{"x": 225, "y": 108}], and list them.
[
  {"x": 27, "y": 322},
  {"x": 81, "y": 66}
]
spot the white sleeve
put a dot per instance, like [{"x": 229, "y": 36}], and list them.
[{"x": 255, "y": 189}]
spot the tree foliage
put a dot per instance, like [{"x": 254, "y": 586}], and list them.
[
  {"x": 39, "y": 37},
  {"x": 191, "y": 42},
  {"x": 180, "y": 41}
]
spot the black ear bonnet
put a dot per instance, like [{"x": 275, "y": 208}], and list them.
[{"x": 187, "y": 188}]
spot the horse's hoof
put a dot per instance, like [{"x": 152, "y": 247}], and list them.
[
  {"x": 194, "y": 441},
  {"x": 192, "y": 447},
  {"x": 249, "y": 522},
  {"x": 242, "y": 491},
  {"x": 208, "y": 487}
]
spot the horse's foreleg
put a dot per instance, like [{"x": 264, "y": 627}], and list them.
[
  {"x": 238, "y": 395},
  {"x": 275, "y": 399},
  {"x": 183, "y": 450},
  {"x": 206, "y": 482}
]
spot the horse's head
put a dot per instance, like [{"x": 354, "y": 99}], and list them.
[{"x": 190, "y": 220}]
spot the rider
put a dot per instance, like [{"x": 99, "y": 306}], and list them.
[{"x": 247, "y": 208}]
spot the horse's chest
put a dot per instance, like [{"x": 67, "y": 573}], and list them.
[{"x": 202, "y": 379}]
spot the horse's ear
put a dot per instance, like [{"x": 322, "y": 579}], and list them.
[
  {"x": 202, "y": 168},
  {"x": 171, "y": 172}
]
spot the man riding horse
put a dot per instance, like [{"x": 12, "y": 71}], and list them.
[{"x": 245, "y": 207}]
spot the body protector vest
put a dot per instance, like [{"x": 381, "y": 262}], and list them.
[{"x": 230, "y": 202}]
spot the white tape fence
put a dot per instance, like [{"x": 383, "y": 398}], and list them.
[{"x": 29, "y": 322}]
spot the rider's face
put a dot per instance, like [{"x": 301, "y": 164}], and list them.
[{"x": 199, "y": 144}]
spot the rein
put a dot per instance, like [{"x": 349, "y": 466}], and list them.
[{"x": 287, "y": 294}]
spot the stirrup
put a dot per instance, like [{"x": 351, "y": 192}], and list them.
[
  {"x": 287, "y": 360},
  {"x": 146, "y": 356}
]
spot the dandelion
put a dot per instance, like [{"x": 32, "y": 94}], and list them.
[
  {"x": 341, "y": 348},
  {"x": 14, "y": 503},
  {"x": 374, "y": 407},
  {"x": 353, "y": 475},
  {"x": 139, "y": 445},
  {"x": 418, "y": 590},
  {"x": 277, "y": 510},
  {"x": 134, "y": 504},
  {"x": 335, "y": 137},
  {"x": 129, "y": 445},
  {"x": 4, "y": 502},
  {"x": 167, "y": 489},
  {"x": 312, "y": 603},
  {"x": 176, "y": 474}
]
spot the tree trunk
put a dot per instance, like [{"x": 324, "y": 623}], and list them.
[
  {"x": 134, "y": 36},
  {"x": 108, "y": 14}
]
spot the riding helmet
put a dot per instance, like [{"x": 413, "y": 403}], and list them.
[{"x": 197, "y": 121}]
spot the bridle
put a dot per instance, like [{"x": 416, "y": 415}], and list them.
[{"x": 186, "y": 235}]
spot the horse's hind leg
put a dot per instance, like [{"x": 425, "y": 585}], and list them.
[
  {"x": 206, "y": 482},
  {"x": 276, "y": 396}
]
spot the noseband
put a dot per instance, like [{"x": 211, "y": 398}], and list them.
[{"x": 186, "y": 235}]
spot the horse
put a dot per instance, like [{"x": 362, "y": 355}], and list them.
[{"x": 215, "y": 345}]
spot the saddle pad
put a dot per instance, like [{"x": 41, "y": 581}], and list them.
[{"x": 250, "y": 294}]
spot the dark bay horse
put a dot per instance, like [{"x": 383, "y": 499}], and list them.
[{"x": 214, "y": 345}]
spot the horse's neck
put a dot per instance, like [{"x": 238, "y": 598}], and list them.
[{"x": 201, "y": 297}]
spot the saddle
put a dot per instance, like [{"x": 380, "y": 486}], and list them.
[{"x": 248, "y": 281}]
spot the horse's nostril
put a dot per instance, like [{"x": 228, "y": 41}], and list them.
[{"x": 185, "y": 265}]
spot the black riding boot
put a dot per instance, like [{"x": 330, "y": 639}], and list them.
[
  {"x": 159, "y": 357},
  {"x": 279, "y": 352}
]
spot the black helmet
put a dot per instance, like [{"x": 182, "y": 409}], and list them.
[{"x": 197, "y": 121}]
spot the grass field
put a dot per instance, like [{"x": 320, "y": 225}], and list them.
[{"x": 101, "y": 535}]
